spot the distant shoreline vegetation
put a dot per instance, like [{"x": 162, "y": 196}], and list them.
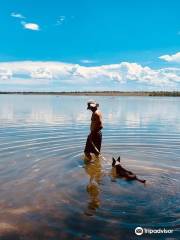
[{"x": 100, "y": 93}]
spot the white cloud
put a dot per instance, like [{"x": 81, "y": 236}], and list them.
[
  {"x": 41, "y": 73},
  {"x": 60, "y": 20},
  {"x": 5, "y": 74},
  {"x": 31, "y": 26},
  {"x": 87, "y": 61},
  {"x": 96, "y": 77},
  {"x": 17, "y": 15},
  {"x": 171, "y": 58}
]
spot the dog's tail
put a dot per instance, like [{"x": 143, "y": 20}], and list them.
[{"x": 141, "y": 180}]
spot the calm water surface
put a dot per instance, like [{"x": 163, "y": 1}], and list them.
[{"x": 47, "y": 191}]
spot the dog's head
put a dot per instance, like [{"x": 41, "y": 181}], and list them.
[{"x": 115, "y": 162}]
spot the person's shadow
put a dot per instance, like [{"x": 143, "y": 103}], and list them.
[{"x": 94, "y": 170}]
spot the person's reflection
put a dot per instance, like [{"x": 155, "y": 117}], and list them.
[{"x": 94, "y": 170}]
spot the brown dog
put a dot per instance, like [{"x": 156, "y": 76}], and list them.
[{"x": 119, "y": 171}]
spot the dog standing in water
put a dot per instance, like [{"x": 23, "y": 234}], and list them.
[{"x": 119, "y": 171}]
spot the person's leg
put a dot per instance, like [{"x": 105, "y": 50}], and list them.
[
  {"x": 97, "y": 142},
  {"x": 88, "y": 148}
]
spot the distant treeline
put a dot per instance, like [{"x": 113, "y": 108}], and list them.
[
  {"x": 161, "y": 93},
  {"x": 101, "y": 93}
]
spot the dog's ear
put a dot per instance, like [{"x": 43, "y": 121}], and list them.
[
  {"x": 113, "y": 162},
  {"x": 119, "y": 159}
]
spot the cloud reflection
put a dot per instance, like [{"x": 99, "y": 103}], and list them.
[{"x": 128, "y": 111}]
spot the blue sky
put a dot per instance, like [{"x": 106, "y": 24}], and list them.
[{"x": 89, "y": 44}]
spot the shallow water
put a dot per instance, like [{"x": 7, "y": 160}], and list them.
[{"x": 49, "y": 192}]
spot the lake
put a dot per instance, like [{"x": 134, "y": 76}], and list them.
[{"x": 47, "y": 191}]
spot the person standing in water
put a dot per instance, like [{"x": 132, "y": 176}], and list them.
[{"x": 94, "y": 139}]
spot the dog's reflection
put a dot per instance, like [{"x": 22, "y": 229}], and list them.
[{"x": 94, "y": 170}]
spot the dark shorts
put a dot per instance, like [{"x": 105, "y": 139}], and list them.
[{"x": 96, "y": 138}]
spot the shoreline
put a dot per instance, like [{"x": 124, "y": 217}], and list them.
[{"x": 101, "y": 93}]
